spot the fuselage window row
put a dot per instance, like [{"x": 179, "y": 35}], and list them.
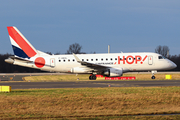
[{"x": 103, "y": 59}]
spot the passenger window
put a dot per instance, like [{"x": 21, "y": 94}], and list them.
[
  {"x": 68, "y": 60},
  {"x": 64, "y": 60},
  {"x": 91, "y": 59},
  {"x": 96, "y": 59},
  {"x": 82, "y": 59},
  {"x": 73, "y": 60},
  {"x": 111, "y": 59},
  {"x": 87, "y": 59},
  {"x": 59, "y": 60},
  {"x": 115, "y": 58},
  {"x": 106, "y": 59},
  {"x": 101, "y": 59}
]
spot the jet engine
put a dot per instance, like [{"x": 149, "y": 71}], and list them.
[{"x": 113, "y": 72}]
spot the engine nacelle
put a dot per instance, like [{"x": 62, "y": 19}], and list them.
[
  {"x": 80, "y": 70},
  {"x": 113, "y": 72}
]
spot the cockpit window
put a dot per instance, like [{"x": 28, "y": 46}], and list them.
[{"x": 161, "y": 57}]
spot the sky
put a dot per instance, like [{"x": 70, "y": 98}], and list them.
[{"x": 125, "y": 25}]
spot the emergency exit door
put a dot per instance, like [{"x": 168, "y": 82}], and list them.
[
  {"x": 52, "y": 62},
  {"x": 150, "y": 60}
]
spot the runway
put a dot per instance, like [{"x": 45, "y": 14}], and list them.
[{"x": 91, "y": 84}]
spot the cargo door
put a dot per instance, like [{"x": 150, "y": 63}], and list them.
[
  {"x": 150, "y": 60},
  {"x": 52, "y": 62}
]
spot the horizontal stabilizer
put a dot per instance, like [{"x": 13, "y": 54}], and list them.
[{"x": 18, "y": 58}]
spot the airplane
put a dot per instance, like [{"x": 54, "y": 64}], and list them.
[{"x": 106, "y": 64}]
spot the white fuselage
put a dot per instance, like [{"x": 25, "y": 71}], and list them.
[{"x": 127, "y": 61}]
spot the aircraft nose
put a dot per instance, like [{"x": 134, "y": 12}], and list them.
[{"x": 173, "y": 65}]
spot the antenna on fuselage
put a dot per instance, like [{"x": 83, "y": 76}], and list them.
[{"x": 108, "y": 48}]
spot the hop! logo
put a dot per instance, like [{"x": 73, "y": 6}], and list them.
[{"x": 130, "y": 59}]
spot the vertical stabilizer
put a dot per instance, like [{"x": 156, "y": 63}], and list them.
[{"x": 21, "y": 46}]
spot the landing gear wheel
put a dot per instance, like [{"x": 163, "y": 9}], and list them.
[
  {"x": 153, "y": 72},
  {"x": 92, "y": 77},
  {"x": 153, "y": 77}
]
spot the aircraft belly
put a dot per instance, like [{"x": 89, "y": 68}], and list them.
[{"x": 66, "y": 67}]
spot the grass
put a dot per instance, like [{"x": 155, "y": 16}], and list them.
[
  {"x": 158, "y": 76},
  {"x": 170, "y": 117},
  {"x": 96, "y": 103},
  {"x": 43, "y": 78},
  {"x": 85, "y": 77}
]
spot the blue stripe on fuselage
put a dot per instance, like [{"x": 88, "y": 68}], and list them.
[{"x": 19, "y": 52}]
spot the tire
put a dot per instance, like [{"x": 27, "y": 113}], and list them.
[
  {"x": 93, "y": 77},
  {"x": 153, "y": 77}
]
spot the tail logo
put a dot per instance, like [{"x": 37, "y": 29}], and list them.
[{"x": 21, "y": 46}]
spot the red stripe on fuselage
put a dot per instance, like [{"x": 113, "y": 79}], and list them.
[{"x": 21, "y": 42}]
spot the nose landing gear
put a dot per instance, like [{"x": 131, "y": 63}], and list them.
[
  {"x": 153, "y": 72},
  {"x": 153, "y": 77}
]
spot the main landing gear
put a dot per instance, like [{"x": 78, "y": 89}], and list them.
[
  {"x": 153, "y": 72},
  {"x": 92, "y": 77}
]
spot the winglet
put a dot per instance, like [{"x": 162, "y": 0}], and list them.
[{"x": 77, "y": 59}]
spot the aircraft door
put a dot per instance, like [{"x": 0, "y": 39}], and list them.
[
  {"x": 150, "y": 60},
  {"x": 52, "y": 62}
]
